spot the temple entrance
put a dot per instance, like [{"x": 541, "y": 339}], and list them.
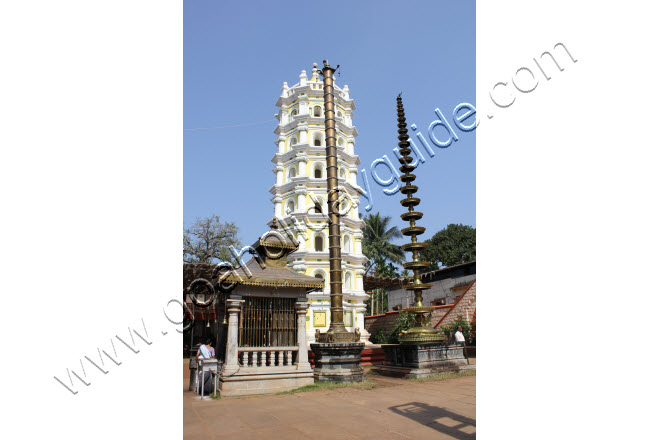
[{"x": 268, "y": 322}]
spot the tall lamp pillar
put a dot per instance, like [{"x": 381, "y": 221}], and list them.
[
  {"x": 337, "y": 352},
  {"x": 337, "y": 331},
  {"x": 420, "y": 332}
]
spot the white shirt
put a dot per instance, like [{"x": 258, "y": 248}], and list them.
[
  {"x": 204, "y": 352},
  {"x": 459, "y": 336}
]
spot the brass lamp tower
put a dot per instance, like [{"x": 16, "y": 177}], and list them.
[
  {"x": 337, "y": 331},
  {"x": 420, "y": 333}
]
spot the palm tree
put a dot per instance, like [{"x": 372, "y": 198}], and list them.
[{"x": 376, "y": 244}]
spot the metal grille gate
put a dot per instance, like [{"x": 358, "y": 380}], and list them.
[{"x": 268, "y": 322}]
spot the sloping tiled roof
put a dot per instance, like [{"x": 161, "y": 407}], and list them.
[{"x": 253, "y": 274}]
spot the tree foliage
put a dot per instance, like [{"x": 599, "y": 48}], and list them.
[
  {"x": 378, "y": 303},
  {"x": 453, "y": 245},
  {"x": 383, "y": 268},
  {"x": 376, "y": 244},
  {"x": 208, "y": 240},
  {"x": 405, "y": 321}
]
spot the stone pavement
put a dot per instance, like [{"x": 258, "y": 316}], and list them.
[{"x": 400, "y": 409}]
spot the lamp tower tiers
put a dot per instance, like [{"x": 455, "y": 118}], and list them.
[{"x": 420, "y": 333}]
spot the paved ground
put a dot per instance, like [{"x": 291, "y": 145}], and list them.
[{"x": 399, "y": 410}]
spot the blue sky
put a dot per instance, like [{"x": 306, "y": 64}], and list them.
[{"x": 237, "y": 54}]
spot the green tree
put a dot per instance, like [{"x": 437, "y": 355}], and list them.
[
  {"x": 453, "y": 245},
  {"x": 376, "y": 245},
  {"x": 384, "y": 268},
  {"x": 208, "y": 241},
  {"x": 378, "y": 303},
  {"x": 404, "y": 321}
]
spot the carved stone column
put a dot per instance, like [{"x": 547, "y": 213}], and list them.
[
  {"x": 302, "y": 165},
  {"x": 303, "y": 133},
  {"x": 301, "y": 193},
  {"x": 280, "y": 174},
  {"x": 304, "y": 106},
  {"x": 301, "y": 312},
  {"x": 359, "y": 273},
  {"x": 281, "y": 141},
  {"x": 278, "y": 206},
  {"x": 231, "y": 357}
]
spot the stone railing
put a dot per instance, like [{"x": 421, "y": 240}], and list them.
[{"x": 267, "y": 356}]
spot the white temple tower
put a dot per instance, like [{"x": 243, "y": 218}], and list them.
[{"x": 300, "y": 196}]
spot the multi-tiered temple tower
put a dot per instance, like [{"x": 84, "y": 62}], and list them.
[{"x": 300, "y": 196}]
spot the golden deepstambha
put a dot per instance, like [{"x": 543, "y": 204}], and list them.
[{"x": 420, "y": 332}]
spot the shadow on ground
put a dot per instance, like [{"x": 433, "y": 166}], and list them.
[{"x": 440, "y": 419}]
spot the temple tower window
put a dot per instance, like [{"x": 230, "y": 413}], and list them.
[
  {"x": 318, "y": 243},
  {"x": 348, "y": 281},
  {"x": 318, "y": 171},
  {"x": 318, "y": 140}
]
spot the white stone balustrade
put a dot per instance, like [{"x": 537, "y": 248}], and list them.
[{"x": 267, "y": 356}]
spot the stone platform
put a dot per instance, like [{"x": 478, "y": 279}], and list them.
[
  {"x": 338, "y": 362},
  {"x": 420, "y": 360},
  {"x": 251, "y": 381}
]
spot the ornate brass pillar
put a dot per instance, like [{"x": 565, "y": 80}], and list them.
[
  {"x": 337, "y": 331},
  {"x": 420, "y": 332}
]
